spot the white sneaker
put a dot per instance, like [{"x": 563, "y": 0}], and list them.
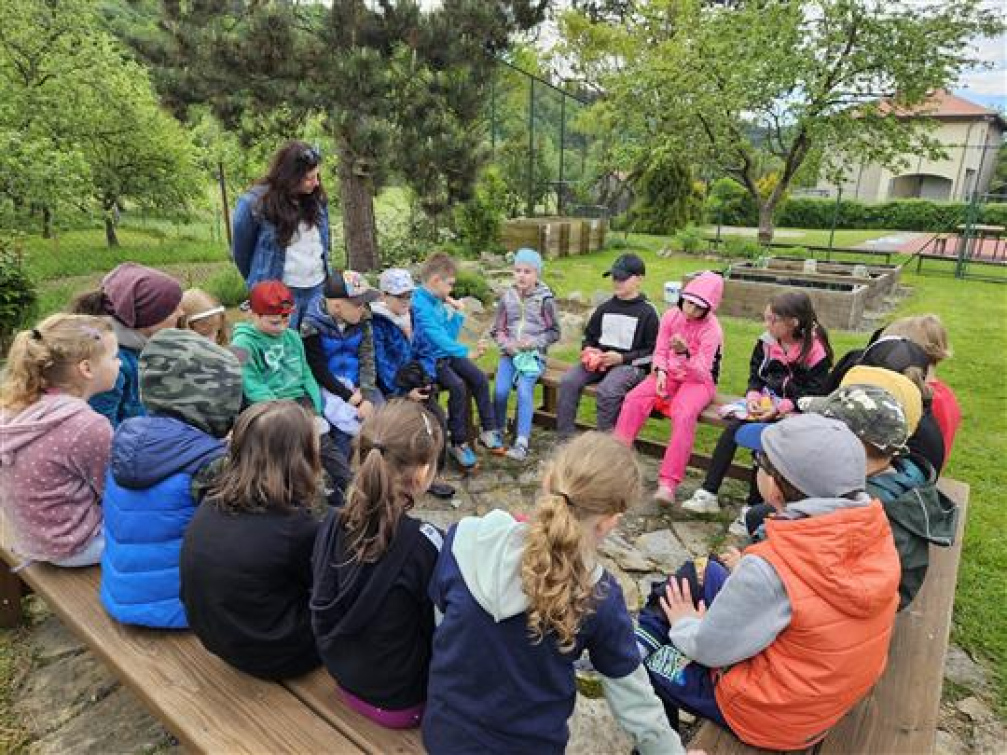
[
  {"x": 738, "y": 526},
  {"x": 702, "y": 502}
]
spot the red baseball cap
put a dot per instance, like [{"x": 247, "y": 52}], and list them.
[{"x": 271, "y": 298}]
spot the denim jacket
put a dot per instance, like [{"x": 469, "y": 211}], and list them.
[{"x": 255, "y": 250}]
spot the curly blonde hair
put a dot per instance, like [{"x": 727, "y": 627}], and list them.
[
  {"x": 592, "y": 476},
  {"x": 46, "y": 357}
]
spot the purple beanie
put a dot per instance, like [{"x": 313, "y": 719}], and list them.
[{"x": 139, "y": 296}]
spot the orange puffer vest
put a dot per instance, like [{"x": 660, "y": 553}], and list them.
[{"x": 841, "y": 574}]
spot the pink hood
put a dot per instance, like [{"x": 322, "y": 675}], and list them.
[{"x": 709, "y": 287}]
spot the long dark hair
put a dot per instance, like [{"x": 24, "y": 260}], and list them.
[
  {"x": 399, "y": 438},
  {"x": 797, "y": 304},
  {"x": 282, "y": 205},
  {"x": 273, "y": 463}
]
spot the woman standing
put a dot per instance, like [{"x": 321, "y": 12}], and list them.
[{"x": 281, "y": 226}]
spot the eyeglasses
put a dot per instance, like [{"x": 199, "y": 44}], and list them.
[
  {"x": 771, "y": 318},
  {"x": 758, "y": 460}
]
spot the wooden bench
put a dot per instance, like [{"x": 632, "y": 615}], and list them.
[
  {"x": 900, "y": 714},
  {"x": 207, "y": 704},
  {"x": 545, "y": 415}
]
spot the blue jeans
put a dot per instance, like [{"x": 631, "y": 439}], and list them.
[
  {"x": 302, "y": 299},
  {"x": 506, "y": 374},
  {"x": 690, "y": 687}
]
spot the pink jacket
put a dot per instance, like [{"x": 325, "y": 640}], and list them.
[
  {"x": 53, "y": 456},
  {"x": 704, "y": 337}
]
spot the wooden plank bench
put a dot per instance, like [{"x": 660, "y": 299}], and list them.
[
  {"x": 208, "y": 705},
  {"x": 546, "y": 415},
  {"x": 900, "y": 714}
]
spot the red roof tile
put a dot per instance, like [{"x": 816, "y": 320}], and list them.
[{"x": 941, "y": 104}]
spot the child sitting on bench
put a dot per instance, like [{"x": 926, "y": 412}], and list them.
[{"x": 786, "y": 644}]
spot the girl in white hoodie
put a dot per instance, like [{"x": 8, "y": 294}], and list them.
[{"x": 53, "y": 446}]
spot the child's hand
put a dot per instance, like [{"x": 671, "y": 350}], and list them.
[
  {"x": 678, "y": 344},
  {"x": 365, "y": 409},
  {"x": 456, "y": 304},
  {"x": 419, "y": 395},
  {"x": 730, "y": 557},
  {"x": 524, "y": 344},
  {"x": 480, "y": 348},
  {"x": 677, "y": 602},
  {"x": 611, "y": 358}
]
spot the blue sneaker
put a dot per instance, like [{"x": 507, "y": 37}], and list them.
[
  {"x": 464, "y": 455},
  {"x": 492, "y": 440}
]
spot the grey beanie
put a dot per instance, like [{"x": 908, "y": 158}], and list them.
[{"x": 817, "y": 455}]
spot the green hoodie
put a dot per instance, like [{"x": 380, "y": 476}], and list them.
[
  {"x": 918, "y": 513},
  {"x": 276, "y": 366}
]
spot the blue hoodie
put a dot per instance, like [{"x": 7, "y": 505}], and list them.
[
  {"x": 148, "y": 504},
  {"x": 435, "y": 330},
  {"x": 492, "y": 689}
]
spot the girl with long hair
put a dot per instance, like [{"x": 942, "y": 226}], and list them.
[
  {"x": 371, "y": 613},
  {"x": 55, "y": 446},
  {"x": 246, "y": 557},
  {"x": 522, "y": 601},
  {"x": 791, "y": 359},
  {"x": 281, "y": 226}
]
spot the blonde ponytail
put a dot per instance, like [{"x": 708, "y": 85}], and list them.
[
  {"x": 594, "y": 475},
  {"x": 45, "y": 356}
]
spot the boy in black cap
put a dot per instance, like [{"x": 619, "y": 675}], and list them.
[{"x": 617, "y": 350}]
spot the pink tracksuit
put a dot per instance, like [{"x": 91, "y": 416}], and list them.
[{"x": 690, "y": 377}]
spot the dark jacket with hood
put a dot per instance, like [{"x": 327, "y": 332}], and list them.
[
  {"x": 783, "y": 373},
  {"x": 148, "y": 504},
  {"x": 246, "y": 582},
  {"x": 919, "y": 514},
  {"x": 374, "y": 621}
]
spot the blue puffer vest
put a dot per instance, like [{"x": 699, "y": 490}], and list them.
[
  {"x": 341, "y": 347},
  {"x": 148, "y": 504},
  {"x": 392, "y": 352}
]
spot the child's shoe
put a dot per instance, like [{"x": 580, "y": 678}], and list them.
[
  {"x": 441, "y": 490},
  {"x": 738, "y": 526},
  {"x": 665, "y": 494},
  {"x": 519, "y": 451},
  {"x": 464, "y": 455},
  {"x": 492, "y": 440},
  {"x": 702, "y": 502}
]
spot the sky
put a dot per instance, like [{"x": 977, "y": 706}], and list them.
[{"x": 988, "y": 87}]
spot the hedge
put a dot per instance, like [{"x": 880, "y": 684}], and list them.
[{"x": 898, "y": 214}]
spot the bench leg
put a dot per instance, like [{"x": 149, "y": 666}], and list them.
[
  {"x": 549, "y": 399},
  {"x": 11, "y": 590}
]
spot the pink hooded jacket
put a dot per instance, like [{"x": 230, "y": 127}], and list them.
[
  {"x": 53, "y": 456},
  {"x": 704, "y": 337}
]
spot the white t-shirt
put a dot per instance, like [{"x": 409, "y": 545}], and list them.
[{"x": 302, "y": 265}]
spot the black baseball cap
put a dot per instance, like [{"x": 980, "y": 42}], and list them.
[{"x": 626, "y": 266}]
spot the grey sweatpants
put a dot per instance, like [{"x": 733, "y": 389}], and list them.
[{"x": 613, "y": 386}]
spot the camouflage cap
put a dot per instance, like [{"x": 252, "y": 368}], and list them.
[
  {"x": 872, "y": 413},
  {"x": 190, "y": 377}
]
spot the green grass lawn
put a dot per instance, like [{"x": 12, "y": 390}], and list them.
[
  {"x": 808, "y": 236},
  {"x": 975, "y": 313}
]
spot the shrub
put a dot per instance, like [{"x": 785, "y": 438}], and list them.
[
  {"x": 471, "y": 284},
  {"x": 666, "y": 195},
  {"x": 18, "y": 294},
  {"x": 897, "y": 214},
  {"x": 478, "y": 221},
  {"x": 689, "y": 240},
  {"x": 736, "y": 247},
  {"x": 730, "y": 204},
  {"x": 228, "y": 286}
]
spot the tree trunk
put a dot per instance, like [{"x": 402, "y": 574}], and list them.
[
  {"x": 110, "y": 237},
  {"x": 359, "y": 228},
  {"x": 46, "y": 223},
  {"x": 766, "y": 211}
]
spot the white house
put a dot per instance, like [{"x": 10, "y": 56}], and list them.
[{"x": 971, "y": 135}]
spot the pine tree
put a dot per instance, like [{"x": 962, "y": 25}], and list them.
[{"x": 400, "y": 89}]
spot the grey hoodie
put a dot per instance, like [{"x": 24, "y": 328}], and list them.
[
  {"x": 752, "y": 607},
  {"x": 488, "y": 551}
]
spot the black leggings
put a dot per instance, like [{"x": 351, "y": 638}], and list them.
[{"x": 720, "y": 464}]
